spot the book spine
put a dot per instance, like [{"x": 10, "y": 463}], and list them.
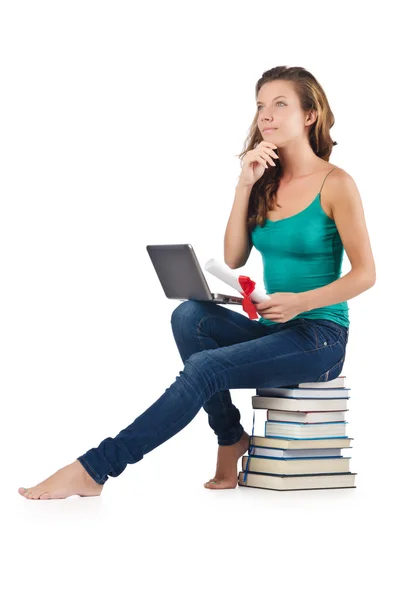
[{"x": 307, "y": 422}]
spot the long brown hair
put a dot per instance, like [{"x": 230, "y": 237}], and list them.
[{"x": 312, "y": 97}]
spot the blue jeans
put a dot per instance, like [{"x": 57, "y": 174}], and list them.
[{"x": 222, "y": 349}]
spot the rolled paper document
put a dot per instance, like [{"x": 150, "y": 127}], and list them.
[
  {"x": 241, "y": 283},
  {"x": 222, "y": 271}
]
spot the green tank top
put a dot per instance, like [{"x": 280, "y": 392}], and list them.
[{"x": 301, "y": 253}]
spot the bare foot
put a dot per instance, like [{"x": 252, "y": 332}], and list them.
[
  {"x": 68, "y": 481},
  {"x": 226, "y": 466}
]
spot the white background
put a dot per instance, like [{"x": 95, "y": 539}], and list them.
[{"x": 120, "y": 127}]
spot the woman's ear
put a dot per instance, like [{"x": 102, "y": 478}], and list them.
[{"x": 312, "y": 117}]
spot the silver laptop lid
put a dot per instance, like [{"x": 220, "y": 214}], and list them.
[{"x": 179, "y": 271}]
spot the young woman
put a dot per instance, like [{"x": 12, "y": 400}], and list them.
[{"x": 300, "y": 212}]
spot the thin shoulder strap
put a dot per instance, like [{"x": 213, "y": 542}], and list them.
[{"x": 326, "y": 177}]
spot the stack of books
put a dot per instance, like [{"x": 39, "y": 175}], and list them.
[{"x": 304, "y": 435}]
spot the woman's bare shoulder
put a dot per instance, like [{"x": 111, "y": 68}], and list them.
[{"x": 338, "y": 174}]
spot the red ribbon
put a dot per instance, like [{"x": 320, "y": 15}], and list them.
[{"x": 248, "y": 287}]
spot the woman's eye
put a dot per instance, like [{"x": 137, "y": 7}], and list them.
[{"x": 279, "y": 102}]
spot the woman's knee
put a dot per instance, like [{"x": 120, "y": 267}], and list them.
[{"x": 188, "y": 313}]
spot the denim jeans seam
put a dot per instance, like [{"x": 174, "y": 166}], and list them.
[
  {"x": 313, "y": 326},
  {"x": 322, "y": 347},
  {"x": 91, "y": 471},
  {"x": 198, "y": 327},
  {"x": 327, "y": 345},
  {"x": 333, "y": 367}
]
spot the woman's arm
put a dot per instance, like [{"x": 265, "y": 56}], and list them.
[{"x": 237, "y": 243}]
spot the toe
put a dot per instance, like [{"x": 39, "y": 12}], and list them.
[
  {"x": 45, "y": 496},
  {"x": 23, "y": 491},
  {"x": 41, "y": 493},
  {"x": 210, "y": 483}
]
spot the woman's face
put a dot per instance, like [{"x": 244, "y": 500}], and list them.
[{"x": 279, "y": 111}]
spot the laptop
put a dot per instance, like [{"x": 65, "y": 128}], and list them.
[{"x": 181, "y": 276}]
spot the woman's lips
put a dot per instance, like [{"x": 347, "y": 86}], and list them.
[{"x": 268, "y": 130}]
